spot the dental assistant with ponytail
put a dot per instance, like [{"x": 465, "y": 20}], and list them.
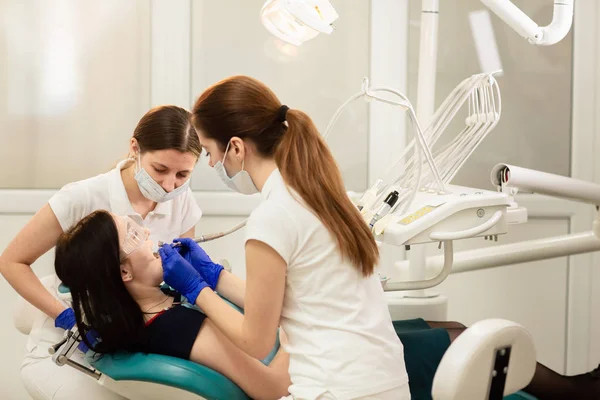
[
  {"x": 310, "y": 258},
  {"x": 152, "y": 187}
]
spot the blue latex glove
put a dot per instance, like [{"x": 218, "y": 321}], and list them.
[
  {"x": 65, "y": 320},
  {"x": 195, "y": 255},
  {"x": 92, "y": 337},
  {"x": 180, "y": 275}
]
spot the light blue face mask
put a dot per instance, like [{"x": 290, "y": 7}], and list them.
[
  {"x": 240, "y": 182},
  {"x": 151, "y": 189}
]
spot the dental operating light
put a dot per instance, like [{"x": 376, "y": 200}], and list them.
[{"x": 296, "y": 21}]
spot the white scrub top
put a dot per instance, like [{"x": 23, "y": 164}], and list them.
[
  {"x": 74, "y": 201},
  {"x": 341, "y": 337}
]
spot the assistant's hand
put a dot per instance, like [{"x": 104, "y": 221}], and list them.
[
  {"x": 195, "y": 255},
  {"x": 180, "y": 275},
  {"x": 65, "y": 320},
  {"x": 92, "y": 337}
]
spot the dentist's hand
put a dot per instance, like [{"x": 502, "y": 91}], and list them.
[
  {"x": 195, "y": 255},
  {"x": 180, "y": 275},
  {"x": 65, "y": 320},
  {"x": 92, "y": 337}
]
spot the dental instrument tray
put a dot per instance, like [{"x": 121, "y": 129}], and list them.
[{"x": 459, "y": 213}]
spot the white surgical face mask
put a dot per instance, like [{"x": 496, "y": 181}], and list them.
[
  {"x": 240, "y": 182},
  {"x": 151, "y": 189}
]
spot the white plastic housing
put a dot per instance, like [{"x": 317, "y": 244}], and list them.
[
  {"x": 530, "y": 180},
  {"x": 460, "y": 210}
]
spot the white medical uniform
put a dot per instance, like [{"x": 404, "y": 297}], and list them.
[
  {"x": 342, "y": 343},
  {"x": 41, "y": 377}
]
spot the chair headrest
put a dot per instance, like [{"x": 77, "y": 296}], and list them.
[{"x": 466, "y": 369}]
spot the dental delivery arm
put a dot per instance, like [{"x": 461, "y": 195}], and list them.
[
  {"x": 562, "y": 18},
  {"x": 35, "y": 239},
  {"x": 507, "y": 177}
]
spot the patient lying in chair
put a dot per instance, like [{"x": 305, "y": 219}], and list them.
[
  {"x": 114, "y": 279},
  {"x": 114, "y": 283}
]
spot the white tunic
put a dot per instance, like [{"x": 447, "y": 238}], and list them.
[{"x": 341, "y": 337}]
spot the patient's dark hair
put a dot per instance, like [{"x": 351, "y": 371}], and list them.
[{"x": 88, "y": 262}]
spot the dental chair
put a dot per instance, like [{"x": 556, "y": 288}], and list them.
[
  {"x": 491, "y": 359},
  {"x": 136, "y": 376},
  {"x": 140, "y": 376}
]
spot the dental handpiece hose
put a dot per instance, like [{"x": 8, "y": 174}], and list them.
[
  {"x": 212, "y": 236},
  {"x": 385, "y": 208}
]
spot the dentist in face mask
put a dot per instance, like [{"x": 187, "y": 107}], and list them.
[
  {"x": 310, "y": 257},
  {"x": 241, "y": 181},
  {"x": 151, "y": 186}
]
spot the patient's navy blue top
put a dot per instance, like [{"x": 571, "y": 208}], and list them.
[{"x": 172, "y": 332}]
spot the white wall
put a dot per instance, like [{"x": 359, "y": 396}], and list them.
[{"x": 74, "y": 76}]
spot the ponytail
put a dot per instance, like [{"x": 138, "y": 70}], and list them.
[
  {"x": 308, "y": 167},
  {"x": 244, "y": 107}
]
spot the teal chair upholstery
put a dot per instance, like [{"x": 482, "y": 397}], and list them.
[{"x": 171, "y": 371}]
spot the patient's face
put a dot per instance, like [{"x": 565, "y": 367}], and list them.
[{"x": 144, "y": 265}]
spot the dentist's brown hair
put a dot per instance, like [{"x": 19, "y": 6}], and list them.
[
  {"x": 167, "y": 127},
  {"x": 243, "y": 107}
]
